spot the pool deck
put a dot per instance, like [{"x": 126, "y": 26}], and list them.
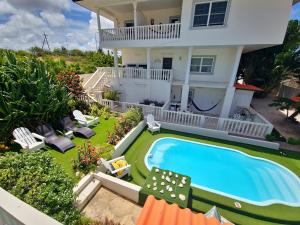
[{"x": 107, "y": 204}]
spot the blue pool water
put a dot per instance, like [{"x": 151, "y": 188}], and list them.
[{"x": 227, "y": 172}]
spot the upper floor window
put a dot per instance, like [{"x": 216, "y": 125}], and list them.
[
  {"x": 202, "y": 64},
  {"x": 212, "y": 13}
]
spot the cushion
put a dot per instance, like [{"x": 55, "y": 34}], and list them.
[{"x": 119, "y": 164}]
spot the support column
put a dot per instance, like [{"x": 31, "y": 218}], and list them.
[
  {"x": 116, "y": 66},
  {"x": 185, "y": 86},
  {"x": 99, "y": 30},
  {"x": 148, "y": 63},
  {"x": 135, "y": 18},
  {"x": 230, "y": 91}
]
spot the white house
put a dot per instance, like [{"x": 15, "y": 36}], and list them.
[{"x": 186, "y": 53}]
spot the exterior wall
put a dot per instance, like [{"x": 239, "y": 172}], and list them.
[
  {"x": 223, "y": 65},
  {"x": 249, "y": 22},
  {"x": 206, "y": 98},
  {"x": 242, "y": 98},
  {"x": 144, "y": 17},
  {"x": 136, "y": 91},
  {"x": 254, "y": 23}
]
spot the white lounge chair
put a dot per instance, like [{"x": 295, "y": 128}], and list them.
[
  {"x": 85, "y": 120},
  {"x": 28, "y": 140},
  {"x": 119, "y": 172},
  {"x": 153, "y": 126}
]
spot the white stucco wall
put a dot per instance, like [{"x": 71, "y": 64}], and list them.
[
  {"x": 206, "y": 98},
  {"x": 249, "y": 22},
  {"x": 223, "y": 65},
  {"x": 137, "y": 90},
  {"x": 242, "y": 98},
  {"x": 254, "y": 23}
]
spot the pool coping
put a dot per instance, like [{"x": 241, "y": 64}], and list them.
[{"x": 263, "y": 203}]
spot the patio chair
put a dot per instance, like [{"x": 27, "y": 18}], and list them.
[
  {"x": 68, "y": 125},
  {"x": 153, "y": 126},
  {"x": 28, "y": 140},
  {"x": 85, "y": 120},
  {"x": 62, "y": 143},
  {"x": 117, "y": 167}
]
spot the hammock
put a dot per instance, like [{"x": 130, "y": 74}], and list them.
[{"x": 204, "y": 110}]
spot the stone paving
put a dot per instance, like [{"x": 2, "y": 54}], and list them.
[
  {"x": 106, "y": 204},
  {"x": 285, "y": 127}
]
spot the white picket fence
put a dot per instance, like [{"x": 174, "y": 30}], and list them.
[
  {"x": 237, "y": 127},
  {"x": 148, "y": 32}
]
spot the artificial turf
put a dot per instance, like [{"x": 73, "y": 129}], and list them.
[
  {"x": 201, "y": 200},
  {"x": 65, "y": 159}
]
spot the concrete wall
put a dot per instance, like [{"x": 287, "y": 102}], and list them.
[
  {"x": 128, "y": 139},
  {"x": 242, "y": 98},
  {"x": 13, "y": 211},
  {"x": 137, "y": 90}
]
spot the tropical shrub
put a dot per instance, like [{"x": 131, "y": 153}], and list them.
[
  {"x": 73, "y": 83},
  {"x": 111, "y": 95},
  {"x": 125, "y": 123},
  {"x": 88, "y": 156},
  {"x": 37, "y": 180},
  {"x": 96, "y": 109},
  {"x": 28, "y": 95}
]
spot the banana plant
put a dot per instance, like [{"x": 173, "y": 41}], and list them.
[{"x": 29, "y": 95}]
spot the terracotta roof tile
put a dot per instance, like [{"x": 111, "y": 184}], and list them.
[
  {"x": 295, "y": 99},
  {"x": 159, "y": 212},
  {"x": 247, "y": 87}
]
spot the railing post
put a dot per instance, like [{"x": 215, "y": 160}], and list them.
[{"x": 202, "y": 121}]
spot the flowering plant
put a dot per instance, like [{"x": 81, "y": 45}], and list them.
[
  {"x": 72, "y": 82},
  {"x": 88, "y": 156}
]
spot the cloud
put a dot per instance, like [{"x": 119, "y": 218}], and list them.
[
  {"x": 53, "y": 19},
  {"x": 66, "y": 24}
]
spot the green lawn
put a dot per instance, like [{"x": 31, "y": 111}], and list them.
[
  {"x": 65, "y": 159},
  {"x": 202, "y": 200}
]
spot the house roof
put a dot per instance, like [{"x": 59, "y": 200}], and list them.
[
  {"x": 248, "y": 87},
  {"x": 159, "y": 212},
  {"x": 295, "y": 99}
]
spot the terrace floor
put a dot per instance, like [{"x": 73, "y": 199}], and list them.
[
  {"x": 106, "y": 204},
  {"x": 202, "y": 201}
]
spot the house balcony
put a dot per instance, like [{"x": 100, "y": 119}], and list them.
[{"x": 148, "y": 32}]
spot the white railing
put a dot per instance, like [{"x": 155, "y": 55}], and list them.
[
  {"x": 161, "y": 31},
  {"x": 245, "y": 128},
  {"x": 237, "y": 127},
  {"x": 161, "y": 74},
  {"x": 137, "y": 73},
  {"x": 132, "y": 73},
  {"x": 148, "y": 32},
  {"x": 118, "y": 34}
]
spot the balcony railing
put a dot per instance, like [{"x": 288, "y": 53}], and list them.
[
  {"x": 149, "y": 32},
  {"x": 137, "y": 73}
]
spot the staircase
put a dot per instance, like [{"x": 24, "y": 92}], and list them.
[{"x": 97, "y": 83}]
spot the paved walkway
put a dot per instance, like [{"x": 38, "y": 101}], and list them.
[
  {"x": 285, "y": 127},
  {"x": 106, "y": 204}
]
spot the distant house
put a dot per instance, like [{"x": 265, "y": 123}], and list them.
[{"x": 186, "y": 52}]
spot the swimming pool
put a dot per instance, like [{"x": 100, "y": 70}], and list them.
[{"x": 226, "y": 171}]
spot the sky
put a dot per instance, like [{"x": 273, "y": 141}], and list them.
[{"x": 23, "y": 22}]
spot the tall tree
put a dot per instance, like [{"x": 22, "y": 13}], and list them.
[{"x": 267, "y": 67}]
